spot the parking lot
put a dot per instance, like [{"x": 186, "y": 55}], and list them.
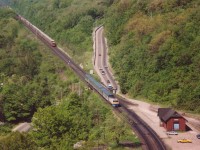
[
  {"x": 171, "y": 141},
  {"x": 149, "y": 115}
]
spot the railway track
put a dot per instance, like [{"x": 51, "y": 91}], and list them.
[{"x": 149, "y": 139}]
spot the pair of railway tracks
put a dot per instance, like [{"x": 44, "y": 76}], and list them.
[{"x": 149, "y": 139}]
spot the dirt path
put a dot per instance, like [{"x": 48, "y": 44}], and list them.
[{"x": 22, "y": 127}]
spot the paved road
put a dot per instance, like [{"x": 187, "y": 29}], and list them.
[
  {"x": 101, "y": 62},
  {"x": 149, "y": 139},
  {"x": 22, "y": 127}
]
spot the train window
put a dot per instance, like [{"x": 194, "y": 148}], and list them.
[{"x": 102, "y": 72}]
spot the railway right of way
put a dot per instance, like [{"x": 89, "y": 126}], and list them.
[{"x": 150, "y": 140}]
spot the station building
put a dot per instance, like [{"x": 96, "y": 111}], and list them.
[{"x": 171, "y": 120}]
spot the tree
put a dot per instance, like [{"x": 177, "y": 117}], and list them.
[
  {"x": 50, "y": 125},
  {"x": 17, "y": 140}
]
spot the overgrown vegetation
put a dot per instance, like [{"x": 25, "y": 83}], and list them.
[
  {"x": 35, "y": 87},
  {"x": 27, "y": 78},
  {"x": 154, "y": 44},
  {"x": 155, "y": 50},
  {"x": 69, "y": 22}
]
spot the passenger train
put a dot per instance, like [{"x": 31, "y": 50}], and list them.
[
  {"x": 88, "y": 78},
  {"x": 102, "y": 90}
]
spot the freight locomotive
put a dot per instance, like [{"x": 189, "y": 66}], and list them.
[
  {"x": 37, "y": 31},
  {"x": 102, "y": 90}
]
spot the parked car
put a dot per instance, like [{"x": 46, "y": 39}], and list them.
[
  {"x": 198, "y": 136},
  {"x": 109, "y": 87},
  {"x": 184, "y": 141},
  {"x": 102, "y": 72},
  {"x": 172, "y": 133}
]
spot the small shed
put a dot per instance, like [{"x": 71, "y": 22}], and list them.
[{"x": 171, "y": 120}]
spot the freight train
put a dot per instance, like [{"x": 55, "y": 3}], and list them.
[
  {"x": 102, "y": 90},
  {"x": 37, "y": 31}
]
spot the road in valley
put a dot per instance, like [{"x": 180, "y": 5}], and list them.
[
  {"x": 149, "y": 138},
  {"x": 101, "y": 59}
]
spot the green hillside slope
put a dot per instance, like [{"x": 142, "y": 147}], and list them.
[
  {"x": 154, "y": 44},
  {"x": 35, "y": 86},
  {"x": 29, "y": 75},
  {"x": 156, "y": 50},
  {"x": 69, "y": 22}
]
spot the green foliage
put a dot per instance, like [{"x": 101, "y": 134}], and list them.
[
  {"x": 70, "y": 120},
  {"x": 78, "y": 118},
  {"x": 154, "y": 50},
  {"x": 17, "y": 140},
  {"x": 28, "y": 76},
  {"x": 69, "y": 22},
  {"x": 5, "y": 129}
]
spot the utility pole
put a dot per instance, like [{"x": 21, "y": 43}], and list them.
[
  {"x": 61, "y": 94},
  {"x": 79, "y": 89}
]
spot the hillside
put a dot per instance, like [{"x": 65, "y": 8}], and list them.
[
  {"x": 69, "y": 22},
  {"x": 35, "y": 86},
  {"x": 154, "y": 44},
  {"x": 155, "y": 52}
]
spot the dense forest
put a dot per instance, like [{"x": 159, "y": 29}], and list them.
[
  {"x": 36, "y": 86},
  {"x": 154, "y": 52},
  {"x": 154, "y": 44}
]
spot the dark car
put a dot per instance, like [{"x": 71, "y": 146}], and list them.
[{"x": 198, "y": 136}]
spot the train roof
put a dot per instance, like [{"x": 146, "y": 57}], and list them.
[
  {"x": 107, "y": 92},
  {"x": 99, "y": 85},
  {"x": 94, "y": 81}
]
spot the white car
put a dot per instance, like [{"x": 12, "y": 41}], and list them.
[
  {"x": 103, "y": 72},
  {"x": 172, "y": 133}
]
